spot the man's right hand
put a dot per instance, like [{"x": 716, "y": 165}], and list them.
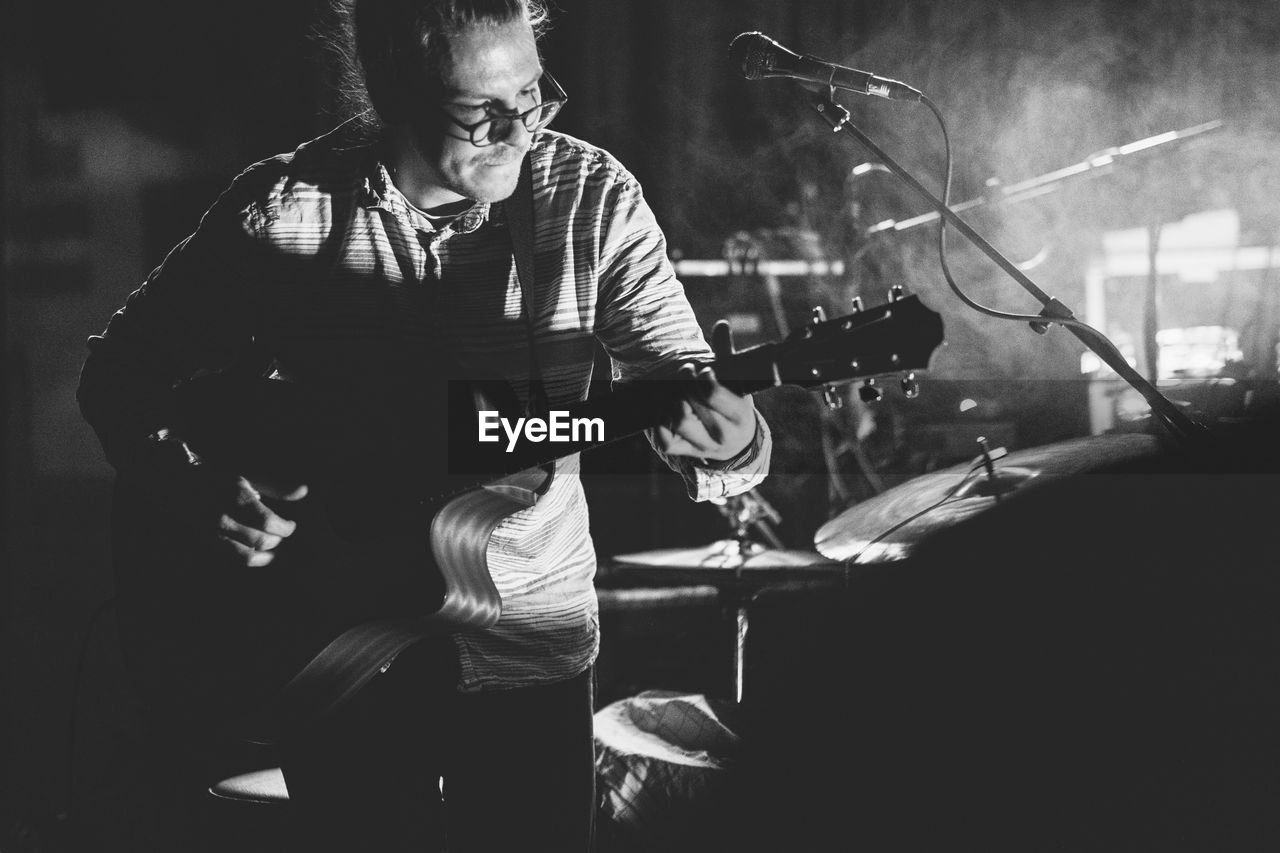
[
  {"x": 250, "y": 528},
  {"x": 220, "y": 509}
]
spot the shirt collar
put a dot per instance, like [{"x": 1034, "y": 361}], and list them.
[{"x": 378, "y": 192}]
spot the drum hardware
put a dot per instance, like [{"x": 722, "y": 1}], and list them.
[
  {"x": 996, "y": 192},
  {"x": 995, "y": 483},
  {"x": 739, "y": 568},
  {"x": 746, "y": 511}
]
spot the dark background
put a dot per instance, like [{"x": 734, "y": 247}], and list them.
[{"x": 121, "y": 122}]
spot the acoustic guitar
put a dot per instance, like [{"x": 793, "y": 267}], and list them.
[{"x": 389, "y": 550}]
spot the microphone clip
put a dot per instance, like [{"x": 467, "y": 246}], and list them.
[{"x": 835, "y": 114}]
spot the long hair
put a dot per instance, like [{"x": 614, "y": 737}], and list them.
[{"x": 380, "y": 49}]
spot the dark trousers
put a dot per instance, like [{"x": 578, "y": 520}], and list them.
[{"x": 518, "y": 765}]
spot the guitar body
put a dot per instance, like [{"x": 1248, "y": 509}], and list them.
[{"x": 215, "y": 643}]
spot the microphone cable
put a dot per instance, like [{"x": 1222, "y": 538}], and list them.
[{"x": 1033, "y": 319}]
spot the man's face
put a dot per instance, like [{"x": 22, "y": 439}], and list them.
[{"x": 495, "y": 64}]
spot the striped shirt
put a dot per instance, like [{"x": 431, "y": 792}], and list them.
[{"x": 318, "y": 255}]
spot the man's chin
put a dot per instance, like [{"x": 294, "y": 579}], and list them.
[{"x": 494, "y": 183}]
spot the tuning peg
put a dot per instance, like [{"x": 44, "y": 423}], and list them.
[
  {"x": 722, "y": 338},
  {"x": 896, "y": 292},
  {"x": 910, "y": 387},
  {"x": 869, "y": 393},
  {"x": 819, "y": 314},
  {"x": 857, "y": 304},
  {"x": 832, "y": 397}
]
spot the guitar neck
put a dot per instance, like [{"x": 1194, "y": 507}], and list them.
[
  {"x": 294, "y": 434},
  {"x": 647, "y": 403},
  {"x": 592, "y": 423},
  {"x": 895, "y": 337}
]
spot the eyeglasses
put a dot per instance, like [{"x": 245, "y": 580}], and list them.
[{"x": 496, "y": 126}]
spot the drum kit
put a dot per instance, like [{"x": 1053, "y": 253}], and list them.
[
  {"x": 871, "y": 533},
  {"x": 892, "y": 524}
]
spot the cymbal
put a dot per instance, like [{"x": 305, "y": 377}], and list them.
[
  {"x": 887, "y": 526},
  {"x": 725, "y": 562}
]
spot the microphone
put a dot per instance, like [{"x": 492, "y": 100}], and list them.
[{"x": 761, "y": 57}]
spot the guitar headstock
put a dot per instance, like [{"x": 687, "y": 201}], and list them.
[{"x": 895, "y": 338}]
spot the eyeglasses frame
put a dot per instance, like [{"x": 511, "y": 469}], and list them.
[{"x": 491, "y": 116}]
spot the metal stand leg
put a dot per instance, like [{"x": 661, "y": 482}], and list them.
[{"x": 739, "y": 651}]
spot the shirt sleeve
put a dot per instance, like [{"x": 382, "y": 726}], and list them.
[
  {"x": 645, "y": 323},
  {"x": 195, "y": 313}
]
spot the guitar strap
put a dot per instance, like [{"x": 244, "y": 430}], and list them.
[
  {"x": 519, "y": 212},
  {"x": 350, "y": 661}
]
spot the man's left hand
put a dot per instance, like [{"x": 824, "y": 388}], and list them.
[{"x": 711, "y": 422}]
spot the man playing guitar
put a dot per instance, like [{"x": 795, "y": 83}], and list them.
[{"x": 352, "y": 269}]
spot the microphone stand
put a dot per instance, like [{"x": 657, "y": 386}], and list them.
[
  {"x": 1180, "y": 425},
  {"x": 1096, "y": 164}
]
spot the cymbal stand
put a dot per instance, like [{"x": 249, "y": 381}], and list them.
[
  {"x": 750, "y": 510},
  {"x": 1097, "y": 164},
  {"x": 744, "y": 512}
]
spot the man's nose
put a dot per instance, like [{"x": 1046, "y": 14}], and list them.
[{"x": 516, "y": 134}]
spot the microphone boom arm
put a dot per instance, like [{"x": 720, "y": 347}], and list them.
[{"x": 1097, "y": 164}]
